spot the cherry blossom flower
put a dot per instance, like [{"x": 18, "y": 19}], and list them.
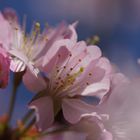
[
  {"x": 73, "y": 70},
  {"x": 25, "y": 49}
]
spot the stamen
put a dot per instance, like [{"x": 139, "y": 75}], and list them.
[
  {"x": 68, "y": 74},
  {"x": 71, "y": 69},
  {"x": 87, "y": 83},
  {"x": 37, "y": 25},
  {"x": 80, "y": 60},
  {"x": 59, "y": 78},
  {"x": 90, "y": 74},
  {"x": 81, "y": 69},
  {"x": 16, "y": 28}
]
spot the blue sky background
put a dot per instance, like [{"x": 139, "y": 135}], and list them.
[{"x": 116, "y": 22}]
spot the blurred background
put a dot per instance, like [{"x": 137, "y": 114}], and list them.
[{"x": 116, "y": 22}]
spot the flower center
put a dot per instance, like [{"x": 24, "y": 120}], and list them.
[
  {"x": 64, "y": 76},
  {"x": 69, "y": 79}
]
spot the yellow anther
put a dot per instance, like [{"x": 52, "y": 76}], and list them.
[
  {"x": 81, "y": 69},
  {"x": 37, "y": 25},
  {"x": 34, "y": 33}
]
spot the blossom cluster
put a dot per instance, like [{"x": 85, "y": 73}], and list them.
[{"x": 64, "y": 74}]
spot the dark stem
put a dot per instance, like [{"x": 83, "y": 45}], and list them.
[
  {"x": 27, "y": 116},
  {"x": 12, "y": 104},
  {"x": 16, "y": 82}
]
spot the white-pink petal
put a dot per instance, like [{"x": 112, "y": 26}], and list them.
[
  {"x": 44, "y": 112},
  {"x": 98, "y": 89},
  {"x": 75, "y": 109},
  {"x": 106, "y": 135},
  {"x": 33, "y": 83},
  {"x": 54, "y": 48},
  {"x": 57, "y": 60}
]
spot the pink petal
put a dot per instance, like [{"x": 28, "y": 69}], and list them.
[
  {"x": 84, "y": 53},
  {"x": 75, "y": 109},
  {"x": 94, "y": 51},
  {"x": 73, "y": 33},
  {"x": 3, "y": 51},
  {"x": 77, "y": 48},
  {"x": 4, "y": 71},
  {"x": 97, "y": 89},
  {"x": 68, "y": 135},
  {"x": 106, "y": 135},
  {"x": 44, "y": 112},
  {"x": 5, "y": 34},
  {"x": 33, "y": 83},
  {"x": 54, "y": 49},
  {"x": 97, "y": 74},
  {"x": 104, "y": 63},
  {"x": 10, "y": 15},
  {"x": 74, "y": 62},
  {"x": 57, "y": 60},
  {"x": 117, "y": 80},
  {"x": 53, "y": 34}
]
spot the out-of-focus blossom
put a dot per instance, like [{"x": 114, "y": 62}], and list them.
[
  {"x": 88, "y": 128},
  {"x": 73, "y": 70},
  {"x": 4, "y": 68},
  {"x": 122, "y": 107},
  {"x": 91, "y": 127}
]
